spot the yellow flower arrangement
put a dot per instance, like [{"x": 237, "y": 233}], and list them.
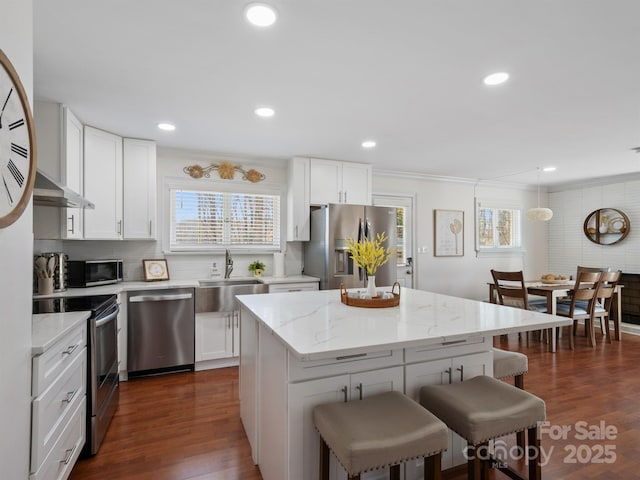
[{"x": 370, "y": 254}]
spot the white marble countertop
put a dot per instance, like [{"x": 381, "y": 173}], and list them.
[
  {"x": 127, "y": 286},
  {"x": 317, "y": 325},
  {"x": 48, "y": 328}
]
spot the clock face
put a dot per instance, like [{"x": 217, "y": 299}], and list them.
[{"x": 17, "y": 155}]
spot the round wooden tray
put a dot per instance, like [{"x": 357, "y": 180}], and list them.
[{"x": 375, "y": 302}]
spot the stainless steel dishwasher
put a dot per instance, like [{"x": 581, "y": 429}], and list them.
[{"x": 160, "y": 333}]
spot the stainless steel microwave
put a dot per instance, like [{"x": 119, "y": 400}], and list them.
[{"x": 90, "y": 273}]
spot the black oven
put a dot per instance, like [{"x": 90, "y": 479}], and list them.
[{"x": 102, "y": 358}]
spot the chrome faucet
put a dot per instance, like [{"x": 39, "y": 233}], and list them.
[{"x": 228, "y": 264}]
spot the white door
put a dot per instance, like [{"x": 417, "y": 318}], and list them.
[
  {"x": 405, "y": 258},
  {"x": 214, "y": 335}
]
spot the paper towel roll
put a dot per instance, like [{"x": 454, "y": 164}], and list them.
[{"x": 278, "y": 264}]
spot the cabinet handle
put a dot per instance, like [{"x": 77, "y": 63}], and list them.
[
  {"x": 359, "y": 388},
  {"x": 228, "y": 322},
  {"x": 73, "y": 227},
  {"x": 150, "y": 227},
  {"x": 70, "y": 350},
  {"x": 461, "y": 370},
  {"x": 119, "y": 227},
  {"x": 68, "y": 455},
  {"x": 70, "y": 396},
  {"x": 345, "y": 197},
  {"x": 296, "y": 234},
  {"x": 294, "y": 290},
  {"x": 344, "y": 390},
  {"x": 237, "y": 315},
  {"x": 448, "y": 371}
]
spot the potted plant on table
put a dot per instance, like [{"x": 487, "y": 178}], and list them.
[
  {"x": 370, "y": 255},
  {"x": 257, "y": 268}
]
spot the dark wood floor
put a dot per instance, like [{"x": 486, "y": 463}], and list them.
[{"x": 187, "y": 425}]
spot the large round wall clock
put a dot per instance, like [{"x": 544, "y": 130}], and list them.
[{"x": 17, "y": 145}]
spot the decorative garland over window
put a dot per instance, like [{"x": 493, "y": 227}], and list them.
[{"x": 226, "y": 171}]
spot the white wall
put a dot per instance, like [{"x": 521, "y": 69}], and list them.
[
  {"x": 16, "y": 41},
  {"x": 465, "y": 276},
  {"x": 569, "y": 247},
  {"x": 170, "y": 166}
]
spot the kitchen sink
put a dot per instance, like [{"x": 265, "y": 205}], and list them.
[
  {"x": 228, "y": 281},
  {"x": 220, "y": 295}
]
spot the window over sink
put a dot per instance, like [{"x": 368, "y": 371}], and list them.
[{"x": 207, "y": 219}]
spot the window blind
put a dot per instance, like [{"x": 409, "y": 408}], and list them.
[{"x": 202, "y": 220}]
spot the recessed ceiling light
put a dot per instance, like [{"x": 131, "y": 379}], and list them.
[
  {"x": 496, "y": 78},
  {"x": 260, "y": 14},
  {"x": 264, "y": 111},
  {"x": 167, "y": 127},
  {"x": 549, "y": 169},
  {"x": 368, "y": 144}
]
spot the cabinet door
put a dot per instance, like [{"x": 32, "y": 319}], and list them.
[
  {"x": 356, "y": 184},
  {"x": 325, "y": 181},
  {"x": 139, "y": 189},
  {"x": 214, "y": 335},
  {"x": 72, "y": 169},
  {"x": 103, "y": 184},
  {"x": 298, "y": 221},
  {"x": 303, "y": 438}
]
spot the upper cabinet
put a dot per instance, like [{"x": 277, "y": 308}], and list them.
[
  {"x": 103, "y": 184},
  {"x": 139, "y": 189},
  {"x": 298, "y": 200},
  {"x": 120, "y": 178},
  {"x": 61, "y": 156},
  {"x": 339, "y": 182}
]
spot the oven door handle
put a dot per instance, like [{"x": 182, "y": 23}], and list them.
[
  {"x": 108, "y": 318},
  {"x": 160, "y": 298}
]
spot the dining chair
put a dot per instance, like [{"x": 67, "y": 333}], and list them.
[
  {"x": 511, "y": 291},
  {"x": 604, "y": 302},
  {"x": 582, "y": 302}
]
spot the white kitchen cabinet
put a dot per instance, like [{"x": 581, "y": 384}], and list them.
[
  {"x": 103, "y": 184},
  {"x": 333, "y": 181},
  {"x": 217, "y": 338},
  {"x": 439, "y": 372},
  {"x": 298, "y": 220},
  {"x": 139, "y": 189},
  {"x": 293, "y": 287},
  {"x": 304, "y": 396},
  {"x": 61, "y": 156},
  {"x": 58, "y": 418}
]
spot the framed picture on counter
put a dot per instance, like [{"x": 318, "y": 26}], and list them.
[
  {"x": 448, "y": 233},
  {"x": 155, "y": 270}
]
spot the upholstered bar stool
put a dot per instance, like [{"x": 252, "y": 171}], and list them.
[
  {"x": 481, "y": 409},
  {"x": 511, "y": 364},
  {"x": 379, "y": 431}
]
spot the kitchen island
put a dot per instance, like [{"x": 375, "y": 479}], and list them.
[{"x": 298, "y": 350}]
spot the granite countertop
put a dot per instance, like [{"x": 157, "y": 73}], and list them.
[
  {"x": 316, "y": 324},
  {"x": 48, "y": 328},
  {"x": 127, "y": 286}
]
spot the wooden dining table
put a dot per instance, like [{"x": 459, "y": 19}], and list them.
[{"x": 553, "y": 291}]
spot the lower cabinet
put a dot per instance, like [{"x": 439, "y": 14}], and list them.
[
  {"x": 304, "y": 396},
  {"x": 58, "y": 410},
  {"x": 217, "y": 337},
  {"x": 293, "y": 287}
]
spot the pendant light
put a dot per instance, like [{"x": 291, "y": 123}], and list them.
[{"x": 539, "y": 214}]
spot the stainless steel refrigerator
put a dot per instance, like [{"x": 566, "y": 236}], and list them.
[{"x": 326, "y": 255}]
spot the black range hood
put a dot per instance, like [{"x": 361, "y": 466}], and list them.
[{"x": 47, "y": 192}]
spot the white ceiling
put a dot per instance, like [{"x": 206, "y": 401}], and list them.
[{"x": 407, "y": 73}]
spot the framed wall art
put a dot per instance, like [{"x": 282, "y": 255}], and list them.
[
  {"x": 448, "y": 233},
  {"x": 155, "y": 270}
]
